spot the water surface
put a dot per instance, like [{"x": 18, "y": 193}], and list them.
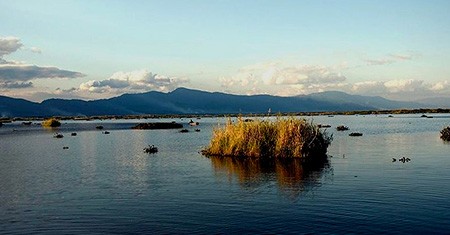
[{"x": 107, "y": 184}]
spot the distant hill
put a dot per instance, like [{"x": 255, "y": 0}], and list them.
[
  {"x": 188, "y": 101},
  {"x": 376, "y": 102},
  {"x": 441, "y": 102},
  {"x": 12, "y": 107}
]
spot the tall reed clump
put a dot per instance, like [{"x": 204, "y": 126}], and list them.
[
  {"x": 281, "y": 138},
  {"x": 52, "y": 122}
]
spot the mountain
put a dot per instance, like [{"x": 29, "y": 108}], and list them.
[
  {"x": 441, "y": 102},
  {"x": 12, "y": 107},
  {"x": 188, "y": 101},
  {"x": 376, "y": 102}
]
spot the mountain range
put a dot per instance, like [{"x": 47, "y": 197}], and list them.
[{"x": 189, "y": 101}]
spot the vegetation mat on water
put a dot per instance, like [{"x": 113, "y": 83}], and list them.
[
  {"x": 281, "y": 138},
  {"x": 158, "y": 125},
  {"x": 445, "y": 134}
]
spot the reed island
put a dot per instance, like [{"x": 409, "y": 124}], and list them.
[
  {"x": 51, "y": 122},
  {"x": 280, "y": 138}
]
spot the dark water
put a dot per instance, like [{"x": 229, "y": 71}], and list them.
[{"x": 107, "y": 184}]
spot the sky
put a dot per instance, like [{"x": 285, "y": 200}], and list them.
[{"x": 103, "y": 48}]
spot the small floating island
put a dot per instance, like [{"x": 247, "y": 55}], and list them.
[
  {"x": 445, "y": 134},
  {"x": 342, "y": 128},
  {"x": 158, "y": 125},
  {"x": 355, "y": 134},
  {"x": 151, "y": 149},
  {"x": 282, "y": 138}
]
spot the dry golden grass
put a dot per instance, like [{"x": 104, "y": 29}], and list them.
[
  {"x": 281, "y": 138},
  {"x": 51, "y": 123}
]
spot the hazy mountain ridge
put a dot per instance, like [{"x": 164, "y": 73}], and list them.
[{"x": 188, "y": 101}]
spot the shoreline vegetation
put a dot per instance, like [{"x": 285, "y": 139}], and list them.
[
  {"x": 152, "y": 116},
  {"x": 285, "y": 137}
]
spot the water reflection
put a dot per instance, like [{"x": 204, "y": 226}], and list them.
[{"x": 292, "y": 176}]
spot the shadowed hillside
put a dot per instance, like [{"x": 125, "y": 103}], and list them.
[{"x": 188, "y": 101}]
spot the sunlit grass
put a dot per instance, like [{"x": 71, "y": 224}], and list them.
[
  {"x": 281, "y": 138},
  {"x": 52, "y": 122}
]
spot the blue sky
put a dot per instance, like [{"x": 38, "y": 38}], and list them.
[{"x": 97, "y": 49}]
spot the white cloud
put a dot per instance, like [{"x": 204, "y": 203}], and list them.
[
  {"x": 407, "y": 89},
  {"x": 408, "y": 85},
  {"x": 440, "y": 86},
  {"x": 35, "y": 50},
  {"x": 368, "y": 87},
  {"x": 402, "y": 56},
  {"x": 135, "y": 81},
  {"x": 390, "y": 59},
  {"x": 280, "y": 79}
]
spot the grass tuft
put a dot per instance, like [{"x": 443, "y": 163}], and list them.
[
  {"x": 52, "y": 122},
  {"x": 282, "y": 138}
]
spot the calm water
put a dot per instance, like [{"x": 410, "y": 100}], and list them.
[{"x": 107, "y": 184}]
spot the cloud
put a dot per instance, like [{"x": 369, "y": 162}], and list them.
[
  {"x": 379, "y": 61},
  {"x": 440, "y": 86},
  {"x": 408, "y": 85},
  {"x": 35, "y": 50},
  {"x": 9, "y": 45},
  {"x": 390, "y": 59},
  {"x": 406, "y": 89},
  {"x": 24, "y": 72},
  {"x": 135, "y": 81},
  {"x": 281, "y": 79},
  {"x": 390, "y": 87},
  {"x": 278, "y": 79},
  {"x": 401, "y": 56},
  {"x": 15, "y": 85},
  {"x": 17, "y": 75}
]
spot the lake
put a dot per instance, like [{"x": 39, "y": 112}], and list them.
[{"x": 107, "y": 184}]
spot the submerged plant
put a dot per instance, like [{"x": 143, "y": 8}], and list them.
[
  {"x": 445, "y": 134},
  {"x": 282, "y": 138}
]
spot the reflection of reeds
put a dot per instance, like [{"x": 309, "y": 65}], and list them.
[
  {"x": 292, "y": 175},
  {"x": 282, "y": 138}
]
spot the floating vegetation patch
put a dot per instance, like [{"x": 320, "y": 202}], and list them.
[
  {"x": 151, "y": 149},
  {"x": 158, "y": 125},
  {"x": 342, "y": 128},
  {"x": 323, "y": 125},
  {"x": 58, "y": 135},
  {"x": 355, "y": 134},
  {"x": 445, "y": 134},
  {"x": 282, "y": 138}
]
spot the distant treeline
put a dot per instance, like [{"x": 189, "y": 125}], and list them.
[{"x": 153, "y": 116}]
